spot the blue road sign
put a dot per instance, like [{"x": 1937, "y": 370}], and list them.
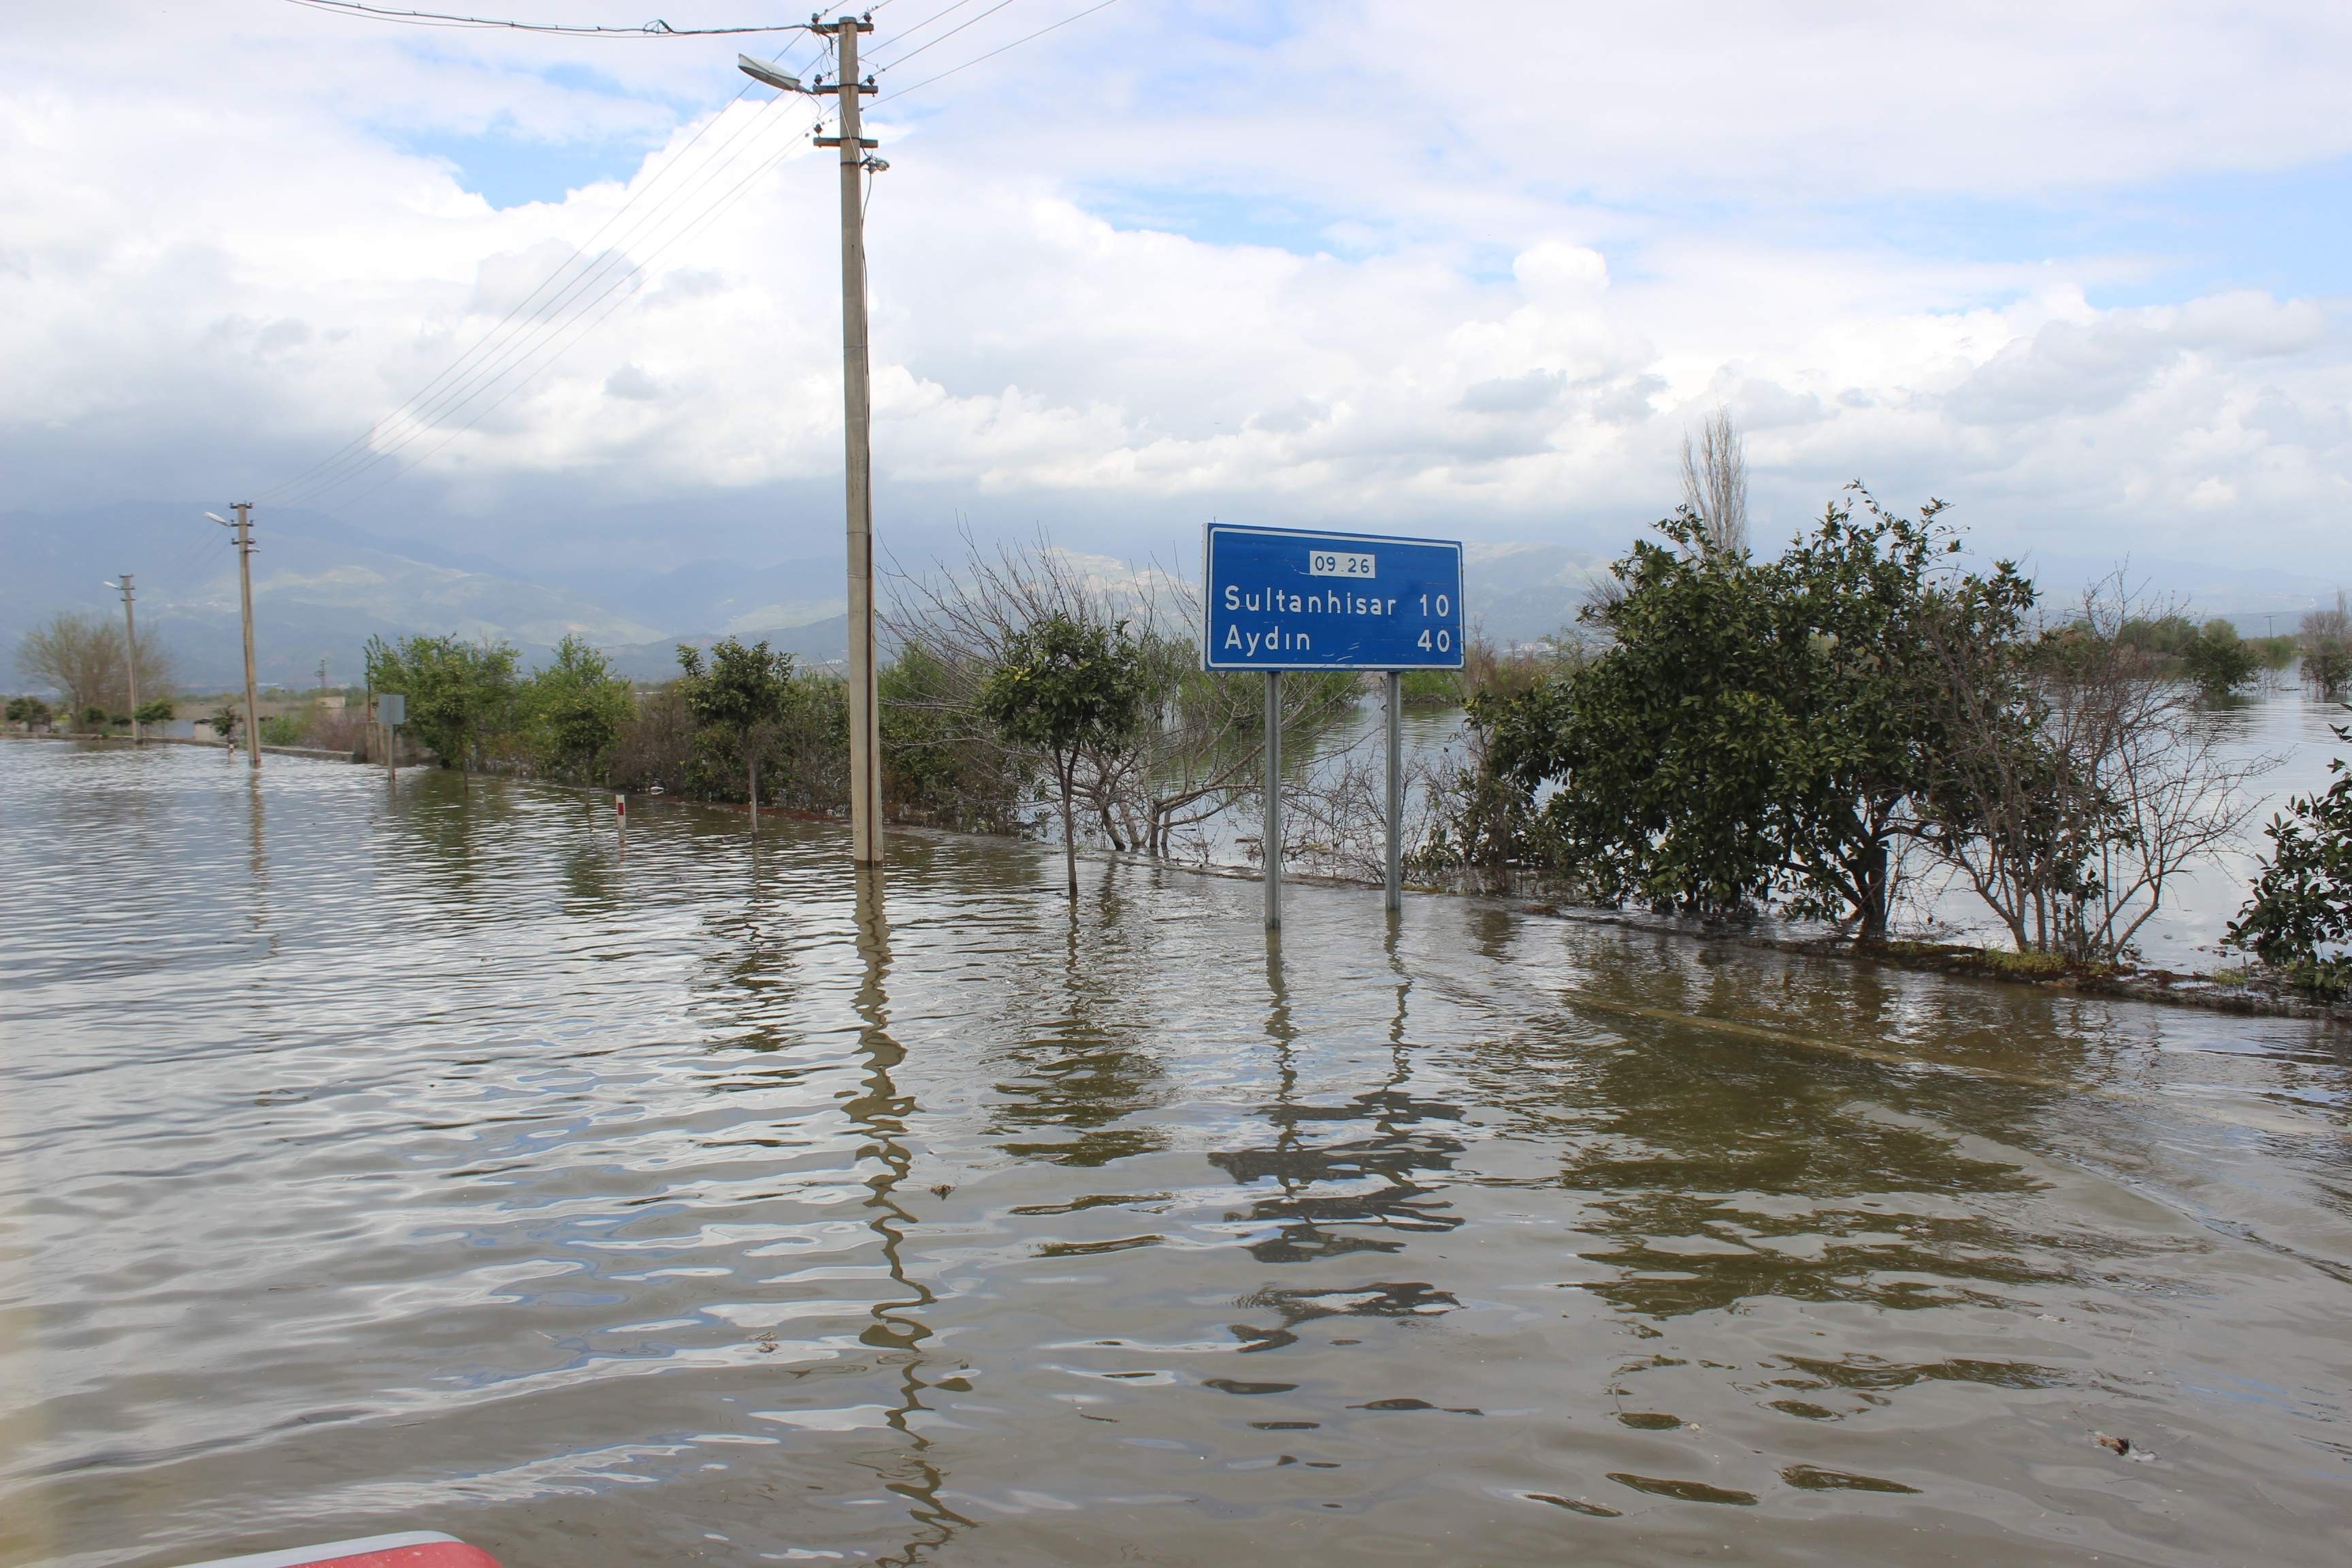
[{"x": 1284, "y": 598}]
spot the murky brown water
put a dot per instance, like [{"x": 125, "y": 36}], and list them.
[{"x": 376, "y": 1162}]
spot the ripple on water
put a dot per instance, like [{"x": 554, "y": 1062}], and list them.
[{"x": 378, "y": 1157}]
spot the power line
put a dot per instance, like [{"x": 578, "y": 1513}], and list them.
[
  {"x": 616, "y": 292},
  {"x": 463, "y": 379},
  {"x": 943, "y": 38},
  {"x": 505, "y": 359},
  {"x": 1101, "y": 4},
  {"x": 417, "y": 399},
  {"x": 653, "y": 29}
]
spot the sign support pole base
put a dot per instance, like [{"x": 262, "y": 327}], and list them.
[
  {"x": 1392, "y": 862},
  {"x": 1270, "y": 844}
]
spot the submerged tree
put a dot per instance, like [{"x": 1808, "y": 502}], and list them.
[
  {"x": 2076, "y": 780},
  {"x": 460, "y": 693},
  {"x": 2217, "y": 660},
  {"x": 2299, "y": 919},
  {"x": 574, "y": 710},
  {"x": 86, "y": 657},
  {"x": 1195, "y": 750},
  {"x": 740, "y": 702},
  {"x": 2327, "y": 639},
  {"x": 1064, "y": 686},
  {"x": 1752, "y": 727}
]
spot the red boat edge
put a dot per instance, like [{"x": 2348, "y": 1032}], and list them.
[{"x": 410, "y": 1549}]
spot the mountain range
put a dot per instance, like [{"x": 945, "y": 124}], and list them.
[{"x": 321, "y": 589}]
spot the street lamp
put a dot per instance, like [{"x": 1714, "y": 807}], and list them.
[{"x": 761, "y": 71}]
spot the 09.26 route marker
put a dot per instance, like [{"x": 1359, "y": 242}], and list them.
[{"x": 1287, "y": 599}]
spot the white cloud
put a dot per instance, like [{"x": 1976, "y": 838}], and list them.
[{"x": 1507, "y": 285}]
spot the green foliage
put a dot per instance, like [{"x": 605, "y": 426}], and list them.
[
  {"x": 2328, "y": 664},
  {"x": 93, "y": 717},
  {"x": 284, "y": 728},
  {"x": 572, "y": 712},
  {"x": 2217, "y": 660},
  {"x": 2275, "y": 652},
  {"x": 2299, "y": 917},
  {"x": 1432, "y": 689},
  {"x": 1065, "y": 683},
  {"x": 226, "y": 720},
  {"x": 1754, "y": 727},
  {"x": 460, "y": 693},
  {"x": 752, "y": 716},
  {"x": 937, "y": 767},
  {"x": 30, "y": 711},
  {"x": 158, "y": 712},
  {"x": 2169, "y": 635},
  {"x": 1062, "y": 685}
]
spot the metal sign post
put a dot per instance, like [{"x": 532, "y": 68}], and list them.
[
  {"x": 1288, "y": 598},
  {"x": 391, "y": 711},
  {"x": 1391, "y": 862},
  {"x": 1270, "y": 840}
]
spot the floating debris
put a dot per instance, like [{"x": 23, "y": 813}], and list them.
[{"x": 2123, "y": 1448}]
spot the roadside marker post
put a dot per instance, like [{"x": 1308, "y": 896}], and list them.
[
  {"x": 1288, "y": 598},
  {"x": 391, "y": 711},
  {"x": 621, "y": 822}
]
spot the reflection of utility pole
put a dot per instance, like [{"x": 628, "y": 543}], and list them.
[
  {"x": 131, "y": 645},
  {"x": 244, "y": 526}
]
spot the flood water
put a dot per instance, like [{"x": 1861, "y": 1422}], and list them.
[{"x": 377, "y": 1159}]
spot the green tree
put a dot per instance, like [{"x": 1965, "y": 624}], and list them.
[
  {"x": 740, "y": 702},
  {"x": 572, "y": 712},
  {"x": 2299, "y": 919},
  {"x": 225, "y": 719},
  {"x": 30, "y": 712},
  {"x": 1753, "y": 727},
  {"x": 158, "y": 712},
  {"x": 460, "y": 694},
  {"x": 941, "y": 763},
  {"x": 2217, "y": 660},
  {"x": 1065, "y": 685},
  {"x": 2327, "y": 639}
]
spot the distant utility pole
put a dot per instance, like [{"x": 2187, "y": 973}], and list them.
[
  {"x": 244, "y": 526},
  {"x": 131, "y": 642},
  {"x": 865, "y": 709}
]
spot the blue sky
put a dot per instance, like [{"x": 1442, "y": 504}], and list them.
[{"x": 2079, "y": 268}]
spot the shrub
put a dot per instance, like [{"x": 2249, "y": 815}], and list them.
[
  {"x": 2217, "y": 660},
  {"x": 2299, "y": 917}
]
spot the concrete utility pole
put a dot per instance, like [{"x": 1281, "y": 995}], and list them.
[
  {"x": 130, "y": 644},
  {"x": 244, "y": 526},
  {"x": 864, "y": 709}
]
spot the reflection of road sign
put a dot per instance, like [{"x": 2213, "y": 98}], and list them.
[
  {"x": 1282, "y": 598},
  {"x": 391, "y": 708}
]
